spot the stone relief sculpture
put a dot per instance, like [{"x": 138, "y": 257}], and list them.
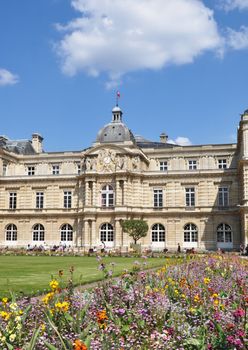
[{"x": 136, "y": 163}]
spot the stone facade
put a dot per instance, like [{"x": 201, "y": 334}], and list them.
[{"x": 193, "y": 195}]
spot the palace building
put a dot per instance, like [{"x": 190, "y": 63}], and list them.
[{"x": 193, "y": 195}]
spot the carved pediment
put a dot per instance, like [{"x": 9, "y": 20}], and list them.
[{"x": 113, "y": 159}]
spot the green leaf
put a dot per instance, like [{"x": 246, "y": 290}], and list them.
[
  {"x": 9, "y": 346},
  {"x": 50, "y": 346},
  {"x": 33, "y": 340},
  {"x": 56, "y": 331}
]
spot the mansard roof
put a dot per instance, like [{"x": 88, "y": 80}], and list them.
[{"x": 17, "y": 146}]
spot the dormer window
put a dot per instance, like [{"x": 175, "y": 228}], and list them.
[
  {"x": 31, "y": 170},
  {"x": 222, "y": 163}
]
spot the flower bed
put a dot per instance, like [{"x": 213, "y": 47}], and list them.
[{"x": 199, "y": 303}]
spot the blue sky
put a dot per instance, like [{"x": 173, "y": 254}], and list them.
[{"x": 181, "y": 67}]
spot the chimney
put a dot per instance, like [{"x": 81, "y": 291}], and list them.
[
  {"x": 163, "y": 138},
  {"x": 37, "y": 142}
]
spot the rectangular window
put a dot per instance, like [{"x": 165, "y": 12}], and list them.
[
  {"x": 39, "y": 200},
  {"x": 192, "y": 164},
  {"x": 190, "y": 197},
  {"x": 222, "y": 163},
  {"x": 78, "y": 168},
  {"x": 12, "y": 200},
  {"x": 55, "y": 169},
  {"x": 31, "y": 170},
  {"x": 158, "y": 198},
  {"x": 163, "y": 166},
  {"x": 223, "y": 197},
  {"x": 67, "y": 199}
]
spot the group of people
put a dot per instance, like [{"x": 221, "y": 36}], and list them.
[{"x": 42, "y": 247}]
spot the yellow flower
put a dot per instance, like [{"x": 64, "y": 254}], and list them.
[
  {"x": 183, "y": 296},
  {"x": 196, "y": 298},
  {"x": 192, "y": 310},
  {"x": 54, "y": 284},
  {"x": 206, "y": 280},
  {"x": 43, "y": 328},
  {"x": 216, "y": 302},
  {"x": 176, "y": 291},
  {"x": 47, "y": 297},
  {"x": 215, "y": 295},
  {"x": 5, "y": 315},
  {"x": 62, "y": 307},
  {"x": 5, "y": 300}
]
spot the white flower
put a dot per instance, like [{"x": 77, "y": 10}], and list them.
[{"x": 12, "y": 337}]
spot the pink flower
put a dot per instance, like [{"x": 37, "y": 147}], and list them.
[{"x": 239, "y": 313}]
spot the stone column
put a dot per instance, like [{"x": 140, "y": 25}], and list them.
[
  {"x": 86, "y": 236},
  {"x": 118, "y": 234},
  {"x": 94, "y": 235}
]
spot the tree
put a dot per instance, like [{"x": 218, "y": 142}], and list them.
[{"x": 135, "y": 228}]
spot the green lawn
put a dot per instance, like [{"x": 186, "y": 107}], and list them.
[{"x": 31, "y": 274}]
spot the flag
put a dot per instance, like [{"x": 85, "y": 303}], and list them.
[{"x": 118, "y": 94}]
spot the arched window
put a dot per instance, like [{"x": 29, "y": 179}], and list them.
[
  {"x": 158, "y": 233},
  {"x": 11, "y": 232},
  {"x": 38, "y": 233},
  {"x": 66, "y": 233},
  {"x": 190, "y": 233},
  {"x": 106, "y": 233},
  {"x": 224, "y": 233},
  {"x": 107, "y": 196}
]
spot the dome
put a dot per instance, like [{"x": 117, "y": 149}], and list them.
[
  {"x": 115, "y": 132},
  {"x": 116, "y": 109}
]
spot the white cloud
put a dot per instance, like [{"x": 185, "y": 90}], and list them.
[
  {"x": 181, "y": 141},
  {"x": 233, "y": 4},
  {"x": 7, "y": 78},
  {"x": 117, "y": 37},
  {"x": 237, "y": 39}
]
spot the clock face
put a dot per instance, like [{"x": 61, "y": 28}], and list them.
[{"x": 107, "y": 160}]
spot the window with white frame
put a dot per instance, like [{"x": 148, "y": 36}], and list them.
[
  {"x": 79, "y": 168},
  {"x": 38, "y": 232},
  {"x": 11, "y": 232},
  {"x": 224, "y": 233},
  {"x": 222, "y": 163},
  {"x": 158, "y": 198},
  {"x": 66, "y": 233},
  {"x": 39, "y": 200},
  {"x": 55, "y": 169},
  {"x": 12, "y": 200},
  {"x": 192, "y": 164},
  {"x": 31, "y": 170},
  {"x": 163, "y": 165},
  {"x": 223, "y": 196},
  {"x": 107, "y": 233},
  {"x": 158, "y": 233},
  {"x": 190, "y": 233},
  {"x": 67, "y": 199},
  {"x": 190, "y": 196},
  {"x": 107, "y": 196}
]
